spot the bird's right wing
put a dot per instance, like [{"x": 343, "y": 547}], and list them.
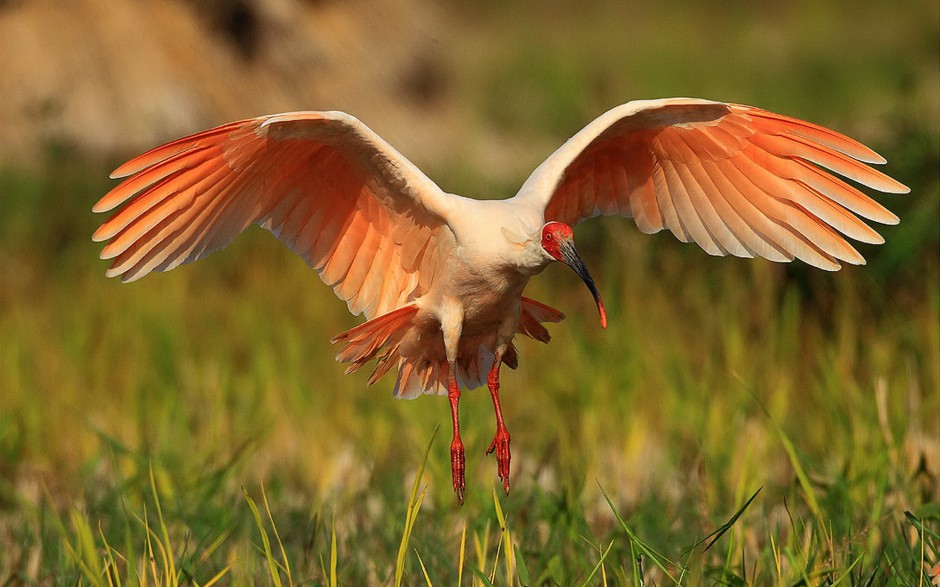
[{"x": 357, "y": 211}]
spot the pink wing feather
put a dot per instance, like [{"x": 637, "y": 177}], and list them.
[
  {"x": 356, "y": 210},
  {"x": 735, "y": 179}
]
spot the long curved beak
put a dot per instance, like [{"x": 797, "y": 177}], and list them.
[{"x": 571, "y": 258}]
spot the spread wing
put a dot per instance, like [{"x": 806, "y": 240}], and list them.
[
  {"x": 735, "y": 179},
  {"x": 356, "y": 210}
]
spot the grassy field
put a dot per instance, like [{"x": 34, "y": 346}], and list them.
[{"x": 739, "y": 422}]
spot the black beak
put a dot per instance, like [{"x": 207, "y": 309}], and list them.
[{"x": 571, "y": 258}]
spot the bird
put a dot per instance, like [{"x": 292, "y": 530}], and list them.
[{"x": 438, "y": 277}]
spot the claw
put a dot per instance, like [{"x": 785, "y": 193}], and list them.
[
  {"x": 500, "y": 444},
  {"x": 458, "y": 465}
]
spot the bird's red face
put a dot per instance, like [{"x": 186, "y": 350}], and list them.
[
  {"x": 558, "y": 242},
  {"x": 553, "y": 235}
]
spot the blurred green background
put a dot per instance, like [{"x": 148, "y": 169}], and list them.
[{"x": 715, "y": 378}]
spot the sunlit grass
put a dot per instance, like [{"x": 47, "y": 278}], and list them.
[{"x": 135, "y": 413}]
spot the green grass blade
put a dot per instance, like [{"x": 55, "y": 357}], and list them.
[
  {"x": 923, "y": 530},
  {"x": 717, "y": 534},
  {"x": 658, "y": 558},
  {"x": 848, "y": 572},
  {"x": 483, "y": 578},
  {"x": 806, "y": 486},
  {"x": 521, "y": 568},
  {"x": 268, "y": 554},
  {"x": 598, "y": 566},
  {"x": 636, "y": 565},
  {"x": 414, "y": 505},
  {"x": 696, "y": 553},
  {"x": 808, "y": 493}
]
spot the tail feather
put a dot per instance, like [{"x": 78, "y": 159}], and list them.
[
  {"x": 381, "y": 337},
  {"x": 365, "y": 341},
  {"x": 382, "y": 366},
  {"x": 531, "y": 318}
]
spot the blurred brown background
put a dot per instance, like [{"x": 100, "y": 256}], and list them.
[{"x": 111, "y": 77}]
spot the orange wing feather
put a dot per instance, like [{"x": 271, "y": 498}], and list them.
[
  {"x": 357, "y": 211},
  {"x": 734, "y": 179}
]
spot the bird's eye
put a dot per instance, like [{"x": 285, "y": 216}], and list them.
[{"x": 549, "y": 236}]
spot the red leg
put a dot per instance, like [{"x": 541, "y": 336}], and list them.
[
  {"x": 500, "y": 442},
  {"x": 457, "y": 460}
]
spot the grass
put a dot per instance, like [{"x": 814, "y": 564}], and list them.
[{"x": 738, "y": 423}]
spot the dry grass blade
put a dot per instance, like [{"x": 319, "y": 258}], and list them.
[
  {"x": 424, "y": 570},
  {"x": 215, "y": 545},
  {"x": 110, "y": 565},
  {"x": 333, "y": 553},
  {"x": 218, "y": 576},
  {"x": 463, "y": 553},
  {"x": 159, "y": 578},
  {"x": 277, "y": 536},
  {"x": 169, "y": 567},
  {"x": 481, "y": 547},
  {"x": 83, "y": 553},
  {"x": 505, "y": 543}
]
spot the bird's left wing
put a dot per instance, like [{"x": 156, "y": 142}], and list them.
[
  {"x": 357, "y": 211},
  {"x": 735, "y": 179}
]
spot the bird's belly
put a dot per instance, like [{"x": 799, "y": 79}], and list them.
[
  {"x": 488, "y": 300},
  {"x": 486, "y": 309},
  {"x": 487, "y": 297}
]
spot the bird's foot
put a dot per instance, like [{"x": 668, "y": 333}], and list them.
[
  {"x": 458, "y": 465},
  {"x": 500, "y": 445}
]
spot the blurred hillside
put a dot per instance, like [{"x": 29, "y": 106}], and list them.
[
  {"x": 111, "y": 78},
  {"x": 476, "y": 93}
]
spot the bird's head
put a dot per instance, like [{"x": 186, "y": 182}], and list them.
[{"x": 558, "y": 243}]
